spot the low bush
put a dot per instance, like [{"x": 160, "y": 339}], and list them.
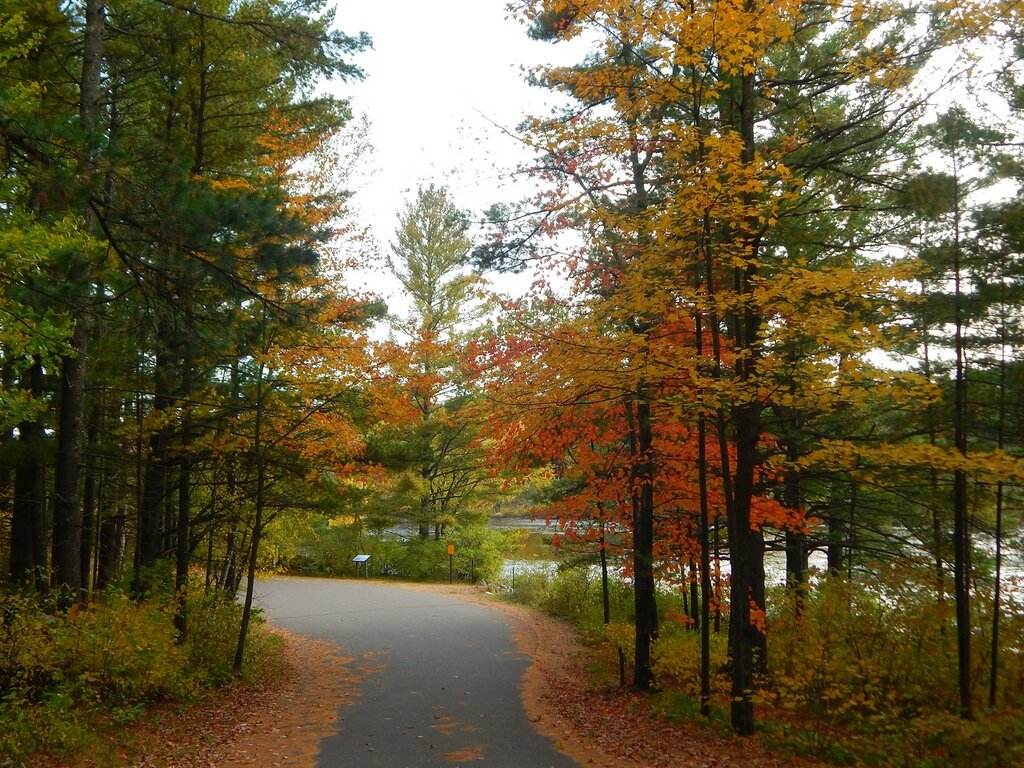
[
  {"x": 575, "y": 593},
  {"x": 479, "y": 554},
  {"x": 869, "y": 672},
  {"x": 676, "y": 662},
  {"x": 63, "y": 672},
  {"x": 531, "y": 588}
]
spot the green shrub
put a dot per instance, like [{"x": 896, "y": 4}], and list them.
[
  {"x": 531, "y": 588},
  {"x": 574, "y": 593},
  {"x": 121, "y": 650},
  {"x": 62, "y": 672},
  {"x": 479, "y": 553},
  {"x": 213, "y": 622}
]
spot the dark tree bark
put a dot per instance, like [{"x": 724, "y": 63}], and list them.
[
  {"x": 67, "y": 513},
  {"x": 28, "y": 522},
  {"x": 747, "y": 641},
  {"x": 90, "y": 500},
  {"x": 705, "y": 561},
  {"x": 183, "y": 539},
  {"x": 257, "y": 525},
  {"x": 691, "y": 580},
  {"x": 8, "y": 444},
  {"x": 111, "y": 548},
  {"x": 150, "y": 536}
]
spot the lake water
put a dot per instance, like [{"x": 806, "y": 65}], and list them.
[{"x": 536, "y": 557}]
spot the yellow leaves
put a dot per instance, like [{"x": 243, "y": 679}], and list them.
[
  {"x": 874, "y": 462},
  {"x": 226, "y": 183},
  {"x": 842, "y": 307},
  {"x": 976, "y": 19}
]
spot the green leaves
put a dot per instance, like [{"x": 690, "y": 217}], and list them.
[{"x": 429, "y": 257}]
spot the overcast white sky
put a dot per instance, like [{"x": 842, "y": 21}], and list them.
[{"x": 441, "y": 76}]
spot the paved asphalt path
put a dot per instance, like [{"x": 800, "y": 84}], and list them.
[{"x": 443, "y": 685}]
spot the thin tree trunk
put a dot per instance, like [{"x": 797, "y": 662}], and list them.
[
  {"x": 961, "y": 532},
  {"x": 644, "y": 595},
  {"x": 183, "y": 539},
  {"x": 227, "y": 567},
  {"x": 605, "y": 602},
  {"x": 695, "y": 603},
  {"x": 208, "y": 581},
  {"x": 155, "y": 482},
  {"x": 226, "y": 576},
  {"x": 7, "y": 449},
  {"x": 111, "y": 548},
  {"x": 834, "y": 544},
  {"x": 719, "y": 591},
  {"x": 705, "y": 564},
  {"x": 89, "y": 498},
  {"x": 257, "y": 527}
]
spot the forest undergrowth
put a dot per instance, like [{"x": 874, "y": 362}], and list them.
[
  {"x": 860, "y": 675},
  {"x": 67, "y": 678}
]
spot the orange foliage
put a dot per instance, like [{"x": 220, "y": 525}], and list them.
[{"x": 561, "y": 397}]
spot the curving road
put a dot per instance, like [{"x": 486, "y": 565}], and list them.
[{"x": 441, "y": 688}]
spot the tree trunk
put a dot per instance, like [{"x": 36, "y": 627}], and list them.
[
  {"x": 227, "y": 566},
  {"x": 67, "y": 512},
  {"x": 111, "y": 548},
  {"x": 90, "y": 491},
  {"x": 257, "y": 526},
  {"x": 796, "y": 566},
  {"x": 155, "y": 482},
  {"x": 28, "y": 521},
  {"x": 695, "y": 605},
  {"x": 747, "y": 595},
  {"x": 705, "y": 561},
  {"x": 182, "y": 549},
  {"x": 746, "y": 598},
  {"x": 644, "y": 595},
  {"x": 961, "y": 532},
  {"x": 605, "y": 602},
  {"x": 8, "y": 450}
]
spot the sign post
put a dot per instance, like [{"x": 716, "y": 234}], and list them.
[
  {"x": 363, "y": 560},
  {"x": 451, "y": 570}
]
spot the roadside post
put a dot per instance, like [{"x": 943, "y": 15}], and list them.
[{"x": 451, "y": 566}]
